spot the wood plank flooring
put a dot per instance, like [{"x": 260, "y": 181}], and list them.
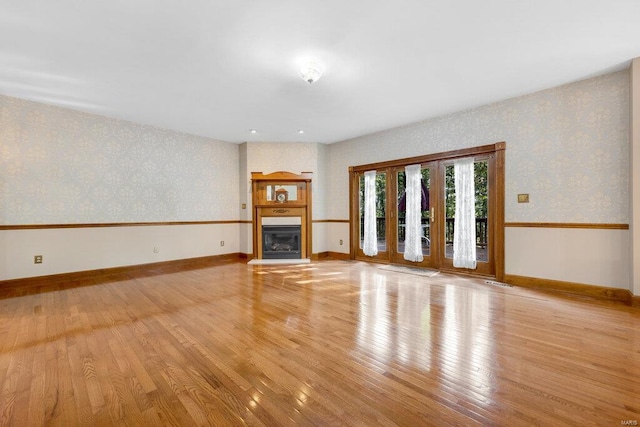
[{"x": 327, "y": 343}]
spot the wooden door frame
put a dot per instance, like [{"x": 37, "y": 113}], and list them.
[
  {"x": 496, "y": 179},
  {"x": 433, "y": 249},
  {"x": 483, "y": 269},
  {"x": 354, "y": 206}
]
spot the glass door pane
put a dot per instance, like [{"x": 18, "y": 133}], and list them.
[
  {"x": 424, "y": 214},
  {"x": 482, "y": 209},
  {"x": 402, "y": 185},
  {"x": 381, "y": 210},
  {"x": 361, "y": 211},
  {"x": 481, "y": 181},
  {"x": 449, "y": 210}
]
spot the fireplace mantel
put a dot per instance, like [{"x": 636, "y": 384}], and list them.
[{"x": 281, "y": 196}]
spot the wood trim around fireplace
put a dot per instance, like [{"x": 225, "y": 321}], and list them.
[{"x": 298, "y": 206}]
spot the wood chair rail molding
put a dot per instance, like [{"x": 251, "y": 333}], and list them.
[
  {"x": 112, "y": 224},
  {"x": 567, "y": 225}
]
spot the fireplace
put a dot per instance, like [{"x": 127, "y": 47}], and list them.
[
  {"x": 281, "y": 220},
  {"x": 281, "y": 242}
]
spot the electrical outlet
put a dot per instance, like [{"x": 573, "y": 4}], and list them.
[
  {"x": 221, "y": 242},
  {"x": 155, "y": 250},
  {"x": 340, "y": 242},
  {"x": 244, "y": 206},
  {"x": 37, "y": 259}
]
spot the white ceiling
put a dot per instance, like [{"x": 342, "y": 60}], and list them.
[{"x": 218, "y": 68}]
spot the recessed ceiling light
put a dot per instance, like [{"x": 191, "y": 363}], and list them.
[
  {"x": 300, "y": 131},
  {"x": 253, "y": 131}
]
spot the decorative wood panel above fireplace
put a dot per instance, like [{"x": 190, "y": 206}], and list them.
[{"x": 281, "y": 199}]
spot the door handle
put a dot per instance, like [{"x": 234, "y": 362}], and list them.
[{"x": 432, "y": 215}]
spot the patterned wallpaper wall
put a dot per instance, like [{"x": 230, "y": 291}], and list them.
[
  {"x": 295, "y": 157},
  {"x": 63, "y": 166},
  {"x": 567, "y": 147},
  {"x": 269, "y": 157}
]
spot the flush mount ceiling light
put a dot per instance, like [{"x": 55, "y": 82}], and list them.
[
  {"x": 300, "y": 131},
  {"x": 253, "y": 130},
  {"x": 311, "y": 70}
]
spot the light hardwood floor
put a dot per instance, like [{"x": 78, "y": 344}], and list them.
[{"x": 327, "y": 343}]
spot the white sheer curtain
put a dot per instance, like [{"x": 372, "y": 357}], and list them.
[
  {"x": 413, "y": 226},
  {"x": 370, "y": 244},
  {"x": 464, "y": 234}
]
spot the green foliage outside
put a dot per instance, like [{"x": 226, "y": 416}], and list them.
[{"x": 481, "y": 190}]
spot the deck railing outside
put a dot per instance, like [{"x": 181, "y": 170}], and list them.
[{"x": 481, "y": 229}]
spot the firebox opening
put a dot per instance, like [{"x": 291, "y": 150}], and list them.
[{"x": 281, "y": 242}]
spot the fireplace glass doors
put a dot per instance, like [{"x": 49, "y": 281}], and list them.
[{"x": 281, "y": 242}]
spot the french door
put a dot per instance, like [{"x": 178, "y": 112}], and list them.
[
  {"x": 437, "y": 210},
  {"x": 381, "y": 214},
  {"x": 428, "y": 229}
]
